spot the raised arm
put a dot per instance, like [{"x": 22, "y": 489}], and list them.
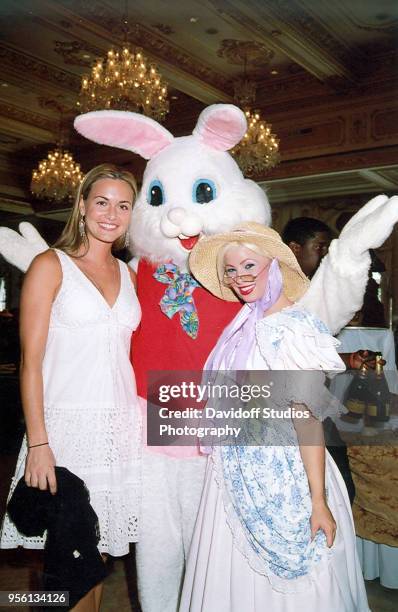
[
  {"x": 20, "y": 249},
  {"x": 337, "y": 289},
  {"x": 41, "y": 284}
]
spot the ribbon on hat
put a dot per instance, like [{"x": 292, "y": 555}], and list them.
[{"x": 178, "y": 297}]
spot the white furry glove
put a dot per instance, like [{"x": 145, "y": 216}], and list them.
[
  {"x": 338, "y": 286},
  {"x": 370, "y": 227},
  {"x": 21, "y": 249}
]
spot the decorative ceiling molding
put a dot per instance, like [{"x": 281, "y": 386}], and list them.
[
  {"x": 25, "y": 116},
  {"x": 378, "y": 179},
  {"x": 18, "y": 206},
  {"x": 332, "y": 122},
  {"x": 239, "y": 52},
  {"x": 106, "y": 23},
  {"x": 335, "y": 163},
  {"x": 72, "y": 52},
  {"x": 282, "y": 25},
  {"x": 58, "y": 105},
  {"x": 164, "y": 28},
  {"x": 381, "y": 21},
  {"x": 328, "y": 185},
  {"x": 390, "y": 29},
  {"x": 331, "y": 19},
  {"x": 26, "y": 64},
  {"x": 6, "y": 139},
  {"x": 300, "y": 96},
  {"x": 297, "y": 87}
]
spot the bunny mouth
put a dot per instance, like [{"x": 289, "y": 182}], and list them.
[{"x": 188, "y": 243}]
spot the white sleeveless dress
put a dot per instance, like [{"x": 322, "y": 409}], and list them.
[{"x": 90, "y": 405}]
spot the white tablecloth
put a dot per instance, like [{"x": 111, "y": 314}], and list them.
[
  {"x": 375, "y": 339},
  {"x": 377, "y": 560}
]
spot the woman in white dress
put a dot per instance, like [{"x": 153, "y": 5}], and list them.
[
  {"x": 274, "y": 530},
  {"x": 78, "y": 311}
]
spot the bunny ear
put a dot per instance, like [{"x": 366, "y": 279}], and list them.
[
  {"x": 124, "y": 130},
  {"x": 221, "y": 126}
]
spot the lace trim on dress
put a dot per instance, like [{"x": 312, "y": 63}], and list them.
[
  {"x": 277, "y": 337},
  {"x": 287, "y": 567},
  {"x": 115, "y": 499}
]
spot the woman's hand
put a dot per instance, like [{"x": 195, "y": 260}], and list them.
[
  {"x": 39, "y": 469},
  {"x": 365, "y": 358},
  {"x": 322, "y": 518}
]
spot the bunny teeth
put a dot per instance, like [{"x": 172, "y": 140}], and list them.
[{"x": 188, "y": 242}]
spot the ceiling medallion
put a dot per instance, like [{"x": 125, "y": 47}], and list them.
[
  {"x": 75, "y": 53},
  {"x": 164, "y": 28},
  {"x": 238, "y": 51}
]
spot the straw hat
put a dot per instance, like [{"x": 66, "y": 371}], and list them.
[{"x": 203, "y": 260}]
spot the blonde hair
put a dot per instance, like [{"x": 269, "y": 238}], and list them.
[
  {"x": 71, "y": 240},
  {"x": 230, "y": 245}
]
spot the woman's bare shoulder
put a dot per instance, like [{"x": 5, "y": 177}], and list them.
[
  {"x": 46, "y": 265},
  {"x": 48, "y": 259}
]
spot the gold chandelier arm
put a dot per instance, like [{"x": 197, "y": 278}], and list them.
[{"x": 125, "y": 80}]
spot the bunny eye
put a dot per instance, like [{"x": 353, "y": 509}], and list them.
[
  {"x": 156, "y": 194},
  {"x": 203, "y": 191}
]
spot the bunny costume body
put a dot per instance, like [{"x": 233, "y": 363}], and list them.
[{"x": 193, "y": 187}]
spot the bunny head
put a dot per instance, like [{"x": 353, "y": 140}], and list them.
[{"x": 191, "y": 185}]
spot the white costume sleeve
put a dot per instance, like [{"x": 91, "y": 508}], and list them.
[
  {"x": 338, "y": 287},
  {"x": 20, "y": 249}
]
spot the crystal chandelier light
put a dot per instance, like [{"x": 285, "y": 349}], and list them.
[
  {"x": 258, "y": 151},
  {"x": 125, "y": 81},
  {"x": 57, "y": 177}
]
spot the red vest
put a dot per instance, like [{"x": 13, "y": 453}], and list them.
[{"x": 160, "y": 343}]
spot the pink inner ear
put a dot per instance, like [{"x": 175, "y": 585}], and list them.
[
  {"x": 124, "y": 130},
  {"x": 221, "y": 126}
]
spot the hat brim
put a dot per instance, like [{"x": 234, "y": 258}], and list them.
[{"x": 203, "y": 260}]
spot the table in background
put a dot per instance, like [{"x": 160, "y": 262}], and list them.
[{"x": 377, "y": 559}]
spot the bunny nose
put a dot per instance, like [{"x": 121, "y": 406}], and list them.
[
  {"x": 176, "y": 215},
  {"x": 181, "y": 221}
]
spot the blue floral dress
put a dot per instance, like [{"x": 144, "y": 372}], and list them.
[{"x": 252, "y": 547}]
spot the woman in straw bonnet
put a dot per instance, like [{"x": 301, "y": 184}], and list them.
[{"x": 275, "y": 529}]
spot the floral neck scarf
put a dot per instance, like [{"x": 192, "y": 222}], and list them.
[{"x": 178, "y": 297}]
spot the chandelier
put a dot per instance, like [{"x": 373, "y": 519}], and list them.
[
  {"x": 57, "y": 177},
  {"x": 125, "y": 81},
  {"x": 258, "y": 151}
]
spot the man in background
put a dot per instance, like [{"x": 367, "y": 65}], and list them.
[{"x": 309, "y": 239}]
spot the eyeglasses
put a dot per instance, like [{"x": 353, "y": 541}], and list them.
[{"x": 230, "y": 278}]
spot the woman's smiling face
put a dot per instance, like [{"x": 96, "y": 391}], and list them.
[
  {"x": 241, "y": 261},
  {"x": 107, "y": 209}
]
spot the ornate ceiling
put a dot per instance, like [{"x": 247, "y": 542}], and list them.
[{"x": 326, "y": 74}]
